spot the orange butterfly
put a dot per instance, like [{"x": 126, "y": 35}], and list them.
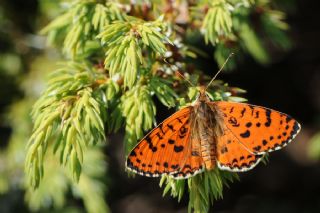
[{"x": 210, "y": 134}]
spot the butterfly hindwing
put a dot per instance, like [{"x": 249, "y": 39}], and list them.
[
  {"x": 163, "y": 149},
  {"x": 259, "y": 129},
  {"x": 233, "y": 156},
  {"x": 192, "y": 162}
]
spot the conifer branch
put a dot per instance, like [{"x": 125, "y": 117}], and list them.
[
  {"x": 128, "y": 42},
  {"x": 67, "y": 115},
  {"x": 80, "y": 24},
  {"x": 84, "y": 101}
]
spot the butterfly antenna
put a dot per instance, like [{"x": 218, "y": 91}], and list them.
[
  {"x": 165, "y": 60},
  {"x": 214, "y": 77},
  {"x": 185, "y": 78}
]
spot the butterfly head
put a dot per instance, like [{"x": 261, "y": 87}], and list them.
[{"x": 203, "y": 97}]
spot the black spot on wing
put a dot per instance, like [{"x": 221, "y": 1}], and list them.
[
  {"x": 129, "y": 163},
  {"x": 268, "y": 123},
  {"x": 170, "y": 141},
  {"x": 268, "y": 113},
  {"x": 148, "y": 139},
  {"x": 246, "y": 134},
  {"x": 268, "y": 116},
  {"x": 183, "y": 132},
  {"x": 244, "y": 165},
  {"x": 224, "y": 149},
  {"x": 170, "y": 127},
  {"x": 233, "y": 121},
  {"x": 159, "y": 135},
  {"x": 175, "y": 166},
  {"x": 257, "y": 148},
  {"x": 249, "y": 124},
  {"x": 257, "y": 114},
  {"x": 177, "y": 148},
  {"x": 133, "y": 154},
  {"x": 161, "y": 128},
  {"x": 187, "y": 166},
  {"x": 150, "y": 145},
  {"x": 243, "y": 111},
  {"x": 288, "y": 118},
  {"x": 264, "y": 142},
  {"x": 252, "y": 109}
]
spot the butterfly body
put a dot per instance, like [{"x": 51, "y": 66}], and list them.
[
  {"x": 210, "y": 134},
  {"x": 207, "y": 127}
]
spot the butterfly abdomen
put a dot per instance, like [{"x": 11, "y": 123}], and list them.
[
  {"x": 208, "y": 149},
  {"x": 209, "y": 128}
]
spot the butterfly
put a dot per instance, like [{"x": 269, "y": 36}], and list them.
[
  {"x": 208, "y": 134},
  {"x": 211, "y": 134}
]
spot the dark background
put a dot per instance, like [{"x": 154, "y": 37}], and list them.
[{"x": 291, "y": 84}]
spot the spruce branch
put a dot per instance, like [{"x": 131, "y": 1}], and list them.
[
  {"x": 80, "y": 24},
  {"x": 207, "y": 187},
  {"x": 203, "y": 188},
  {"x": 139, "y": 111},
  {"x": 69, "y": 115},
  {"x": 275, "y": 26},
  {"x": 57, "y": 180},
  {"x": 93, "y": 183},
  {"x": 162, "y": 89},
  {"x": 241, "y": 26},
  {"x": 253, "y": 44},
  {"x": 129, "y": 43},
  {"x": 83, "y": 102},
  {"x": 218, "y": 21}
]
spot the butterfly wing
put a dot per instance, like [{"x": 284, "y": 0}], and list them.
[
  {"x": 166, "y": 149},
  {"x": 233, "y": 156},
  {"x": 192, "y": 163},
  {"x": 259, "y": 129}
]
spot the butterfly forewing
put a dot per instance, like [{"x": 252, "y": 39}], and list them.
[
  {"x": 164, "y": 149},
  {"x": 259, "y": 129}
]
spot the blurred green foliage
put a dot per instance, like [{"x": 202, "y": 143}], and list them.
[
  {"x": 117, "y": 58},
  {"x": 314, "y": 147}
]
